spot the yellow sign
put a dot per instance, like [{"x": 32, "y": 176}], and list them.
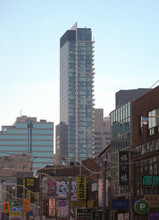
[
  {"x": 28, "y": 195},
  {"x": 15, "y": 214},
  {"x": 81, "y": 187},
  {"x": 30, "y": 182},
  {"x": 78, "y": 203},
  {"x": 90, "y": 204}
]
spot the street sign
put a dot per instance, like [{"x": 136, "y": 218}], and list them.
[
  {"x": 17, "y": 209},
  {"x": 141, "y": 207},
  {"x": 16, "y": 203}
]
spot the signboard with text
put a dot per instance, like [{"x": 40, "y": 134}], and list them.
[
  {"x": 15, "y": 216},
  {"x": 123, "y": 167},
  {"x": 51, "y": 207},
  {"x": 84, "y": 213},
  {"x": 153, "y": 215},
  {"x": 120, "y": 204},
  {"x": 81, "y": 187},
  {"x": 150, "y": 181}
]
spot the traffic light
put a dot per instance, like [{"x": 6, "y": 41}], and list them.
[
  {"x": 6, "y": 207},
  {"x": 25, "y": 205}
]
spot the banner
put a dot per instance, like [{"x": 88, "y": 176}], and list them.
[{"x": 81, "y": 187}]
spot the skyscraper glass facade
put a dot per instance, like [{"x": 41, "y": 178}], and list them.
[
  {"x": 120, "y": 132},
  {"x": 76, "y": 91},
  {"x": 27, "y": 136}
]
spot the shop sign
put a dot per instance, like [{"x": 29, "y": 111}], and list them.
[
  {"x": 123, "y": 167},
  {"x": 90, "y": 204},
  {"x": 30, "y": 182},
  {"x": 153, "y": 215},
  {"x": 84, "y": 213},
  {"x": 141, "y": 207},
  {"x": 123, "y": 216},
  {"x": 120, "y": 204},
  {"x": 15, "y": 216},
  {"x": 81, "y": 187},
  {"x": 78, "y": 203},
  {"x": 94, "y": 186},
  {"x": 62, "y": 207},
  {"x": 150, "y": 181},
  {"x": 120, "y": 216},
  {"x": 62, "y": 202},
  {"x": 153, "y": 200},
  {"x": 51, "y": 207}
]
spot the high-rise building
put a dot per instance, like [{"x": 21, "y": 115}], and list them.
[
  {"x": 28, "y": 136},
  {"x": 76, "y": 91}
]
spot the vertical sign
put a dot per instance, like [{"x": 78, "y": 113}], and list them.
[
  {"x": 25, "y": 205},
  {"x": 123, "y": 167},
  {"x": 81, "y": 187},
  {"x": 51, "y": 207}
]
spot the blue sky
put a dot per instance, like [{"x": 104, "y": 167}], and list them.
[{"x": 126, "y": 37}]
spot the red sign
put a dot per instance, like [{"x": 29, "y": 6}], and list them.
[{"x": 51, "y": 207}]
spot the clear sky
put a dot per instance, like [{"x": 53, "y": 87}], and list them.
[{"x": 126, "y": 34}]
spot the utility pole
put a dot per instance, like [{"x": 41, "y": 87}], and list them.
[
  {"x": 104, "y": 190},
  {"x": 69, "y": 198},
  {"x": 41, "y": 205}
]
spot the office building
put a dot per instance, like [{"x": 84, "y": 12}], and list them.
[
  {"x": 76, "y": 91},
  {"x": 28, "y": 136},
  {"x": 125, "y": 96},
  {"x": 61, "y": 143},
  {"x": 101, "y": 132}
]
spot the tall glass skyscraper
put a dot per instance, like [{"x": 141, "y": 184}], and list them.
[
  {"x": 29, "y": 136},
  {"x": 76, "y": 92}
]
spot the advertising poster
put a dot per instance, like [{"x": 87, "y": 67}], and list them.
[{"x": 51, "y": 188}]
